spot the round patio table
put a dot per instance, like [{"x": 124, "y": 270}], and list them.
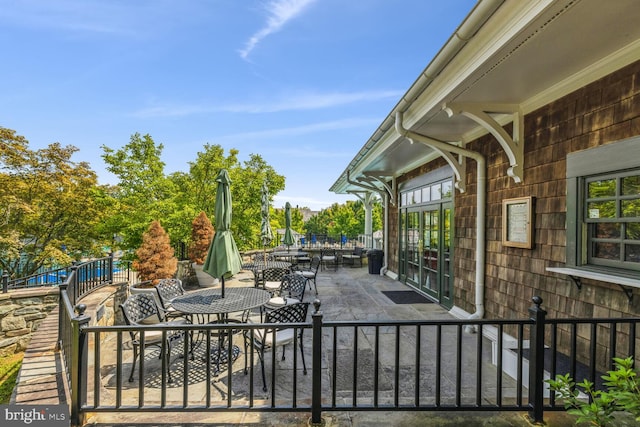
[
  {"x": 257, "y": 266},
  {"x": 210, "y": 302}
]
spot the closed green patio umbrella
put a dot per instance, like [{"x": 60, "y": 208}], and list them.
[
  {"x": 223, "y": 259},
  {"x": 288, "y": 234},
  {"x": 266, "y": 234}
]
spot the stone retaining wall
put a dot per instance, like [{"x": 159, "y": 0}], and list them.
[{"x": 21, "y": 313}]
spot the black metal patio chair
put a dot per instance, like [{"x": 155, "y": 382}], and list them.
[
  {"x": 310, "y": 273},
  {"x": 356, "y": 256},
  {"x": 329, "y": 257},
  {"x": 291, "y": 291},
  {"x": 270, "y": 338},
  {"x": 272, "y": 278},
  {"x": 140, "y": 308},
  {"x": 168, "y": 290}
]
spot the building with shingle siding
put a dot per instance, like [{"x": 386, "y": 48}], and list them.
[{"x": 511, "y": 167}]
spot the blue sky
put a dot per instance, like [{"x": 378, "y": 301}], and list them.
[{"x": 303, "y": 83}]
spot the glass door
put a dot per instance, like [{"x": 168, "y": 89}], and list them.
[
  {"x": 430, "y": 251},
  {"x": 413, "y": 248},
  {"x": 426, "y": 250},
  {"x": 446, "y": 254}
]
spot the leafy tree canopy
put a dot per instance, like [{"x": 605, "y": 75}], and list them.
[
  {"x": 51, "y": 206},
  {"x": 145, "y": 193}
]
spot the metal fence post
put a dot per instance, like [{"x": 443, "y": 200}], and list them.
[
  {"x": 61, "y": 317},
  {"x": 79, "y": 356},
  {"x": 73, "y": 285},
  {"x": 316, "y": 370},
  {"x": 110, "y": 269},
  {"x": 536, "y": 361},
  {"x": 5, "y": 283}
]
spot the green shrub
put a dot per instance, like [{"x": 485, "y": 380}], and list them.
[{"x": 622, "y": 395}]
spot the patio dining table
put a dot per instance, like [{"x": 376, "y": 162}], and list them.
[
  {"x": 290, "y": 256},
  {"x": 261, "y": 265},
  {"x": 257, "y": 267},
  {"x": 211, "y": 302},
  {"x": 208, "y": 302}
]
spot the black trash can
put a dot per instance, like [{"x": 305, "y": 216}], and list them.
[{"x": 375, "y": 257}]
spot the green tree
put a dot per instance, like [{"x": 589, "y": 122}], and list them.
[
  {"x": 196, "y": 190},
  {"x": 143, "y": 193},
  {"x": 347, "y": 218},
  {"x": 51, "y": 206}
]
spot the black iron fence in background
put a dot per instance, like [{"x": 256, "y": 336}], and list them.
[{"x": 89, "y": 274}]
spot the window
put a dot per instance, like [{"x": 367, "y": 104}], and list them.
[
  {"x": 612, "y": 219},
  {"x": 424, "y": 194},
  {"x": 603, "y": 208}
]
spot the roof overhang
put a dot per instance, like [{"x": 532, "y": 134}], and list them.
[{"x": 512, "y": 54}]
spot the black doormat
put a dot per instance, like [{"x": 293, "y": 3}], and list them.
[{"x": 406, "y": 297}]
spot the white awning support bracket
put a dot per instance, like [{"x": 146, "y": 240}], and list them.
[
  {"x": 367, "y": 183},
  {"x": 365, "y": 186},
  {"x": 513, "y": 145},
  {"x": 458, "y": 164},
  {"x": 391, "y": 189}
]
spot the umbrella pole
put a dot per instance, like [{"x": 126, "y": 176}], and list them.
[{"x": 222, "y": 281}]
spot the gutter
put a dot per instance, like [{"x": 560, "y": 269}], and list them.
[
  {"x": 481, "y": 203},
  {"x": 480, "y": 14}
]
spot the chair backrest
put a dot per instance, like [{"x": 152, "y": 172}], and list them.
[
  {"x": 293, "y": 285},
  {"x": 327, "y": 252},
  {"x": 274, "y": 274},
  {"x": 140, "y": 309},
  {"x": 357, "y": 251},
  {"x": 261, "y": 256},
  {"x": 315, "y": 263},
  {"x": 168, "y": 289},
  {"x": 290, "y": 313}
]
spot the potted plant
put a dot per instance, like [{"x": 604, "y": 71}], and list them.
[
  {"x": 155, "y": 260},
  {"x": 201, "y": 237}
]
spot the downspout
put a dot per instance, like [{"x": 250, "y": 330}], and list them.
[
  {"x": 481, "y": 196},
  {"x": 385, "y": 236}
]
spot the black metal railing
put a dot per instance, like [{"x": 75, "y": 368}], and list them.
[
  {"x": 427, "y": 365},
  {"x": 332, "y": 240},
  {"x": 89, "y": 275}
]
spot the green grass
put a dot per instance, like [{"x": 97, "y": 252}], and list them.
[{"x": 9, "y": 369}]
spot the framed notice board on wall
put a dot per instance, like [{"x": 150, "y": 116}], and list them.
[{"x": 517, "y": 222}]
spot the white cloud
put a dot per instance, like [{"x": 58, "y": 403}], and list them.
[
  {"x": 312, "y": 101},
  {"x": 279, "y": 12},
  {"x": 302, "y": 130},
  {"x": 306, "y": 101}
]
